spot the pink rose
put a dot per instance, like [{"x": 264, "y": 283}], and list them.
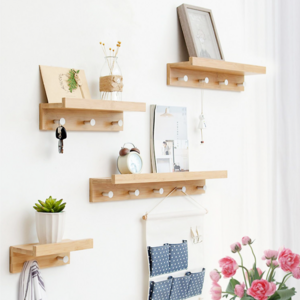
[
  {"x": 288, "y": 260},
  {"x": 261, "y": 289},
  {"x": 271, "y": 254},
  {"x": 296, "y": 273},
  {"x": 216, "y": 291},
  {"x": 235, "y": 247},
  {"x": 239, "y": 290},
  {"x": 246, "y": 241},
  {"x": 215, "y": 275},
  {"x": 229, "y": 266}
]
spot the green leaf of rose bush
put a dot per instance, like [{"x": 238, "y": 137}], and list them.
[
  {"x": 283, "y": 294},
  {"x": 231, "y": 285}
]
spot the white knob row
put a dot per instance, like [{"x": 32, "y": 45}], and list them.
[{"x": 186, "y": 78}]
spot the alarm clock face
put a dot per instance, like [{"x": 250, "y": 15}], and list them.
[{"x": 135, "y": 163}]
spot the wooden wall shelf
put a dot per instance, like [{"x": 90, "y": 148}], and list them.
[
  {"x": 216, "y": 71},
  {"x": 76, "y": 111},
  {"x": 45, "y": 254},
  {"x": 120, "y": 185}
]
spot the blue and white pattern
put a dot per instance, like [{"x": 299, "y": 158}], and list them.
[
  {"x": 159, "y": 260},
  {"x": 178, "y": 256},
  {"x": 168, "y": 258},
  {"x": 160, "y": 290},
  {"x": 196, "y": 284},
  {"x": 179, "y": 288}
]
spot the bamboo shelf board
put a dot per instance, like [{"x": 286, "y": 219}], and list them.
[
  {"x": 45, "y": 254},
  {"x": 216, "y": 70},
  {"x": 103, "y": 105},
  {"x": 121, "y": 184},
  {"x": 77, "y": 111}
]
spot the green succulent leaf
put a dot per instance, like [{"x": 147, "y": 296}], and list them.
[{"x": 50, "y": 205}]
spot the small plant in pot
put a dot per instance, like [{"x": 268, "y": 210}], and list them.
[{"x": 50, "y": 220}]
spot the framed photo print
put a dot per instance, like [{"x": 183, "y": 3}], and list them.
[{"x": 199, "y": 31}]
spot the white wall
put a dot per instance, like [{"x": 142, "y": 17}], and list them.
[{"x": 67, "y": 34}]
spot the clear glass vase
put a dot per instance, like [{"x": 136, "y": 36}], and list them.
[{"x": 111, "y": 80}]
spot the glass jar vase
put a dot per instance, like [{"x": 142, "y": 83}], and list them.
[{"x": 111, "y": 80}]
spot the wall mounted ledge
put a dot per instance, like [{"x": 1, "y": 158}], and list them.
[
  {"x": 108, "y": 115},
  {"x": 197, "y": 69},
  {"x": 47, "y": 255},
  {"x": 153, "y": 185}
]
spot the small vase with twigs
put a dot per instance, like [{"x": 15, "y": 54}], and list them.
[{"x": 111, "y": 79}]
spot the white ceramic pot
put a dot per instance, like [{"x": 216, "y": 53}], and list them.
[{"x": 50, "y": 227}]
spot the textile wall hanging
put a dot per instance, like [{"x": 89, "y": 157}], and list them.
[{"x": 175, "y": 252}]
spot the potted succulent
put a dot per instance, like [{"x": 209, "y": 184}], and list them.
[{"x": 50, "y": 220}]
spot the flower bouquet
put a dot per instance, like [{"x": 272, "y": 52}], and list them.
[{"x": 257, "y": 284}]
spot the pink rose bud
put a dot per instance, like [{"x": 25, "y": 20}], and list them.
[
  {"x": 215, "y": 275},
  {"x": 296, "y": 273},
  {"x": 271, "y": 254},
  {"x": 246, "y": 241},
  {"x": 263, "y": 257},
  {"x": 216, "y": 291},
  {"x": 275, "y": 263},
  {"x": 239, "y": 290},
  {"x": 236, "y": 247}
]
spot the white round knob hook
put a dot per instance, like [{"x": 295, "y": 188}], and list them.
[
  {"x": 65, "y": 259},
  {"x": 205, "y": 80},
  {"x": 92, "y": 122},
  {"x": 202, "y": 187},
  {"x": 120, "y": 123},
  {"x": 61, "y": 121},
  {"x": 160, "y": 191},
  {"x": 184, "y": 78},
  {"x": 183, "y": 189},
  {"x": 109, "y": 194},
  {"x": 225, "y": 82},
  {"x": 135, "y": 193},
  {"x": 241, "y": 84}
]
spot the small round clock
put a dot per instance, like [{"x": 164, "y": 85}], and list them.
[{"x": 130, "y": 160}]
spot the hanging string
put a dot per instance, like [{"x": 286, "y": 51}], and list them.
[
  {"x": 175, "y": 189},
  {"x": 146, "y": 215},
  {"x": 195, "y": 202}
]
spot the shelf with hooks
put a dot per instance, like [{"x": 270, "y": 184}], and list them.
[
  {"x": 47, "y": 255},
  {"x": 206, "y": 73},
  {"x": 153, "y": 185},
  {"x": 87, "y": 115}
]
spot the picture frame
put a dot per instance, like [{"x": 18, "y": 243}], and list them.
[
  {"x": 200, "y": 32},
  {"x": 55, "y": 81}
]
